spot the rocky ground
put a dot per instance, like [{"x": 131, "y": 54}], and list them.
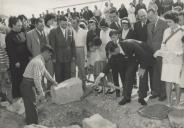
[{"x": 52, "y": 115}]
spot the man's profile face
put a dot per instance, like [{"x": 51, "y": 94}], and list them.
[
  {"x": 113, "y": 17},
  {"x": 142, "y": 16},
  {"x": 114, "y": 38},
  {"x": 48, "y": 56}
]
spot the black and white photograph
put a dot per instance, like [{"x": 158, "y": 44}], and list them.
[{"x": 91, "y": 63}]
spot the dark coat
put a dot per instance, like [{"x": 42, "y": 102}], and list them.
[
  {"x": 140, "y": 31},
  {"x": 64, "y": 48},
  {"x": 17, "y": 49},
  {"x": 91, "y": 35},
  {"x": 134, "y": 53},
  {"x": 122, "y": 13}
]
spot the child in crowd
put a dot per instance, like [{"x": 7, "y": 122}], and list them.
[{"x": 5, "y": 86}]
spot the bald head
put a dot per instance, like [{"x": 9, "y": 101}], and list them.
[{"x": 142, "y": 14}]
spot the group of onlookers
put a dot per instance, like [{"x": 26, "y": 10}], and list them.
[{"x": 115, "y": 44}]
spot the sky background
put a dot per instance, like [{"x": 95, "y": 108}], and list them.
[{"x": 29, "y": 7}]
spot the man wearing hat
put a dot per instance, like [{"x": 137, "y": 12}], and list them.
[
  {"x": 61, "y": 39},
  {"x": 31, "y": 84}
]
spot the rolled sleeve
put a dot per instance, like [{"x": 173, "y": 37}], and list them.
[{"x": 37, "y": 77}]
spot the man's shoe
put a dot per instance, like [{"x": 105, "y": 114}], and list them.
[
  {"x": 153, "y": 96},
  {"x": 162, "y": 98},
  {"x": 142, "y": 101},
  {"x": 124, "y": 101}
]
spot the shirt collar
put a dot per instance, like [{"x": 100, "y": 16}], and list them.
[{"x": 43, "y": 60}]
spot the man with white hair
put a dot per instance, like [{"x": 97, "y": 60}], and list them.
[{"x": 140, "y": 31}]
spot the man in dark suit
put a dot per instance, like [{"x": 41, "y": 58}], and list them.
[
  {"x": 61, "y": 39},
  {"x": 155, "y": 30},
  {"x": 115, "y": 22},
  {"x": 124, "y": 56},
  {"x": 140, "y": 34}
]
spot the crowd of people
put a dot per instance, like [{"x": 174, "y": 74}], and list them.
[{"x": 114, "y": 45}]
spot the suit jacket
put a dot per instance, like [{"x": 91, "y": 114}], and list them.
[
  {"x": 64, "y": 48},
  {"x": 140, "y": 31},
  {"x": 134, "y": 53},
  {"x": 33, "y": 42},
  {"x": 155, "y": 34},
  {"x": 130, "y": 34}
]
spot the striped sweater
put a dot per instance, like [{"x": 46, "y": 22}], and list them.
[{"x": 4, "y": 60}]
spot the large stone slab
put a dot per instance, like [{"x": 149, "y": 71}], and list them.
[
  {"x": 35, "y": 126},
  {"x": 176, "y": 118},
  {"x": 67, "y": 91},
  {"x": 97, "y": 121},
  {"x": 73, "y": 126}
]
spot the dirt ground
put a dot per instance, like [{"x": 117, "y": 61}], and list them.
[{"x": 53, "y": 115}]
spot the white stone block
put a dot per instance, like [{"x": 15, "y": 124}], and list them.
[
  {"x": 73, "y": 126},
  {"x": 67, "y": 91},
  {"x": 35, "y": 126},
  {"x": 97, "y": 121}
]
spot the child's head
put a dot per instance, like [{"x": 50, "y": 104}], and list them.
[
  {"x": 95, "y": 44},
  {"x": 114, "y": 35}
]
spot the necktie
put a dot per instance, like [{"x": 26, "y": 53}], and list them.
[{"x": 153, "y": 28}]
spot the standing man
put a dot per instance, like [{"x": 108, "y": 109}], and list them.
[
  {"x": 36, "y": 38},
  {"x": 115, "y": 22},
  {"x": 80, "y": 36},
  {"x": 61, "y": 39},
  {"x": 31, "y": 84},
  {"x": 140, "y": 31},
  {"x": 155, "y": 31}
]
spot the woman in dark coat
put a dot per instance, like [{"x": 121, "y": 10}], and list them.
[
  {"x": 18, "y": 54},
  {"x": 122, "y": 11}
]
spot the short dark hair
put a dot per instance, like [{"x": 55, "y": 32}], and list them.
[
  {"x": 12, "y": 21},
  {"x": 48, "y": 17},
  {"x": 172, "y": 15},
  {"x": 21, "y": 17},
  {"x": 47, "y": 47},
  {"x": 103, "y": 23},
  {"x": 38, "y": 20},
  {"x": 113, "y": 32},
  {"x": 110, "y": 47}
]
